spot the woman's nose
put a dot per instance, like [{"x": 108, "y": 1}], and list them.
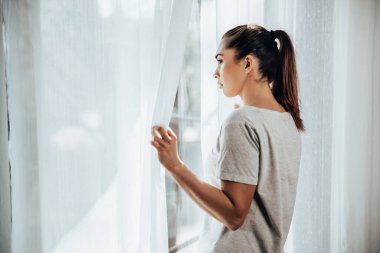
[{"x": 215, "y": 74}]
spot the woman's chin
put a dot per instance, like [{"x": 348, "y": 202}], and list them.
[{"x": 226, "y": 94}]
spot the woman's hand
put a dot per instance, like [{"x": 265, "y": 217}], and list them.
[{"x": 166, "y": 147}]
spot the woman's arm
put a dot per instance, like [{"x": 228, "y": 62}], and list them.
[{"x": 229, "y": 205}]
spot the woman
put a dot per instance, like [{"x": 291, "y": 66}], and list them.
[{"x": 258, "y": 150}]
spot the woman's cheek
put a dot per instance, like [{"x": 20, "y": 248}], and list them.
[{"x": 222, "y": 73}]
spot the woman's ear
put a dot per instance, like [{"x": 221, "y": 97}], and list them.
[{"x": 248, "y": 61}]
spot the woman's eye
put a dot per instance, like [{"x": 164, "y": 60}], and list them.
[{"x": 219, "y": 61}]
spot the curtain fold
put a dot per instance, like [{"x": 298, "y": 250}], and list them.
[
  {"x": 5, "y": 200},
  {"x": 168, "y": 78},
  {"x": 85, "y": 86},
  {"x": 358, "y": 143},
  {"x": 375, "y": 173}
]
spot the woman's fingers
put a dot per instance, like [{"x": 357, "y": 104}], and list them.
[
  {"x": 171, "y": 134},
  {"x": 161, "y": 142},
  {"x": 164, "y": 135},
  {"x": 163, "y": 138},
  {"x": 156, "y": 145}
]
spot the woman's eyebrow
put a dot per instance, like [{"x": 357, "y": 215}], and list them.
[{"x": 217, "y": 55}]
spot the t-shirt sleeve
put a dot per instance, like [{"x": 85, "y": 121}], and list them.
[{"x": 239, "y": 153}]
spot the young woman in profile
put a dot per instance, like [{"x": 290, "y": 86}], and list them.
[{"x": 257, "y": 155}]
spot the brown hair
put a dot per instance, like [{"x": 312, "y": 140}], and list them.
[{"x": 277, "y": 64}]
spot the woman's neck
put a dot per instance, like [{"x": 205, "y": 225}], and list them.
[{"x": 259, "y": 94}]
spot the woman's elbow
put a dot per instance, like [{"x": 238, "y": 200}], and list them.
[{"x": 235, "y": 224}]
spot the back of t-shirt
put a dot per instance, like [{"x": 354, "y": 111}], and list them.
[{"x": 260, "y": 147}]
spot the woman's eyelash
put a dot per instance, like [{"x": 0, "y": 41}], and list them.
[{"x": 220, "y": 61}]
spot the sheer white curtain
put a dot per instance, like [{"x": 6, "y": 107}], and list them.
[
  {"x": 86, "y": 81},
  {"x": 5, "y": 202},
  {"x": 356, "y": 127},
  {"x": 337, "y": 46}
]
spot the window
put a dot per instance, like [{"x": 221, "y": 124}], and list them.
[{"x": 184, "y": 215}]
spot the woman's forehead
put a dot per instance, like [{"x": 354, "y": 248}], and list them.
[
  {"x": 225, "y": 51},
  {"x": 221, "y": 46}
]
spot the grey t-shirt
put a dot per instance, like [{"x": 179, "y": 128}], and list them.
[{"x": 260, "y": 147}]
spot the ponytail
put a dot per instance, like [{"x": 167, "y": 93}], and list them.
[
  {"x": 277, "y": 64},
  {"x": 285, "y": 86}
]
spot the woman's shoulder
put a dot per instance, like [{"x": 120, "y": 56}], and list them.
[{"x": 242, "y": 116}]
